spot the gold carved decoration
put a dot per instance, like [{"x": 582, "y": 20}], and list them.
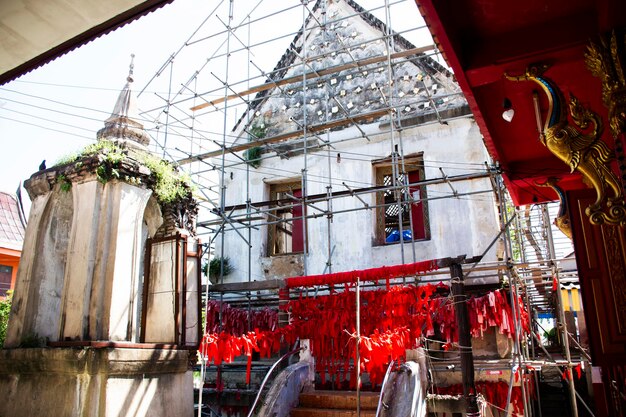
[
  {"x": 606, "y": 60},
  {"x": 579, "y": 146},
  {"x": 562, "y": 220},
  {"x": 614, "y": 245}
]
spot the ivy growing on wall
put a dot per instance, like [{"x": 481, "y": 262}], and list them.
[{"x": 258, "y": 130}]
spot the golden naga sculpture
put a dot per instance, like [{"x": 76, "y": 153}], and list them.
[
  {"x": 562, "y": 220},
  {"x": 580, "y": 147},
  {"x": 606, "y": 60}
]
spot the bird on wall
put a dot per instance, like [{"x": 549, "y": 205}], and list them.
[{"x": 42, "y": 166}]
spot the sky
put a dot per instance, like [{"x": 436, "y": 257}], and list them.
[{"x": 57, "y": 109}]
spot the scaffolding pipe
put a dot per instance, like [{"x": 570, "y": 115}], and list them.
[
  {"x": 354, "y": 192},
  {"x": 517, "y": 360},
  {"x": 358, "y": 345},
  {"x": 314, "y": 216},
  {"x": 561, "y": 313}
]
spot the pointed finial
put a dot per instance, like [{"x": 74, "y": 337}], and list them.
[
  {"x": 130, "y": 68},
  {"x": 123, "y": 125}
]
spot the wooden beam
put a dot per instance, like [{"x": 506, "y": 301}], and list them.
[
  {"x": 270, "y": 284},
  {"x": 313, "y": 75},
  {"x": 289, "y": 135}
]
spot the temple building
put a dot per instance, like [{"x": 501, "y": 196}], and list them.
[
  {"x": 401, "y": 140},
  {"x": 12, "y": 224},
  {"x": 106, "y": 310}
]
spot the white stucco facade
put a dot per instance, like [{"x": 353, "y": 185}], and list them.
[
  {"x": 338, "y": 86},
  {"x": 463, "y": 225}
]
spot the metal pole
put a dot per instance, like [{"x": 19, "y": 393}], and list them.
[
  {"x": 563, "y": 328},
  {"x": 202, "y": 357},
  {"x": 358, "y": 345},
  {"x": 465, "y": 339},
  {"x": 305, "y": 240},
  {"x": 512, "y": 295}
]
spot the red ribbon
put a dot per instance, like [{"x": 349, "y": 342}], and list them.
[
  {"x": 391, "y": 321},
  {"x": 495, "y": 393},
  {"x": 372, "y": 274}
]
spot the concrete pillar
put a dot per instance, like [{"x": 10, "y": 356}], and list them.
[
  {"x": 24, "y": 285},
  {"x": 81, "y": 255},
  {"x": 161, "y": 301},
  {"x": 125, "y": 257}
]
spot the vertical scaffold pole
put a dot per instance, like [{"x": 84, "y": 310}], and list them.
[
  {"x": 465, "y": 339},
  {"x": 357, "y": 364},
  {"x": 563, "y": 327}
]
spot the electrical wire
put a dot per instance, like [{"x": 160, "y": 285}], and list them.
[{"x": 47, "y": 128}]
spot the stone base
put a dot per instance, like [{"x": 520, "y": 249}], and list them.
[{"x": 105, "y": 382}]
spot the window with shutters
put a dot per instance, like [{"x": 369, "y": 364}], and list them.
[
  {"x": 286, "y": 223},
  {"x": 401, "y": 206}
]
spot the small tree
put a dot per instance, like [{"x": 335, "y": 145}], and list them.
[
  {"x": 5, "y": 309},
  {"x": 213, "y": 268}
]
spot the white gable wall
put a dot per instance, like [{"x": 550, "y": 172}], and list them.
[{"x": 464, "y": 225}]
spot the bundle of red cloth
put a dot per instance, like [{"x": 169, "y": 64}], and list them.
[
  {"x": 490, "y": 310},
  {"x": 373, "y": 274},
  {"x": 237, "y": 321}
]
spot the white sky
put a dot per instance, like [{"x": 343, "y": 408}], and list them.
[{"x": 58, "y": 108}]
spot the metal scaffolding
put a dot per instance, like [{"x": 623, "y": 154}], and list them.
[{"x": 235, "y": 49}]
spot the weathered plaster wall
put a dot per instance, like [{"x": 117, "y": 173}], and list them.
[
  {"x": 464, "y": 225},
  {"x": 192, "y": 300},
  {"x": 95, "y": 382},
  {"x": 27, "y": 286},
  {"x": 160, "y": 328},
  {"x": 83, "y": 248}
]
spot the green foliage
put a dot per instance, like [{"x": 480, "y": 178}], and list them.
[
  {"x": 515, "y": 238},
  {"x": 169, "y": 184},
  {"x": 67, "y": 159},
  {"x": 65, "y": 184},
  {"x": 215, "y": 265},
  {"x": 5, "y": 309},
  {"x": 114, "y": 153},
  {"x": 258, "y": 130},
  {"x": 107, "y": 172},
  {"x": 551, "y": 336},
  {"x": 253, "y": 156}
]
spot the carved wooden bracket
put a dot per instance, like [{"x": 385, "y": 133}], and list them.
[
  {"x": 578, "y": 144},
  {"x": 562, "y": 220}
]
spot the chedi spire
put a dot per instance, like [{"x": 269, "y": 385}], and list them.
[{"x": 123, "y": 124}]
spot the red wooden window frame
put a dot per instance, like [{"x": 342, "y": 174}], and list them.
[
  {"x": 414, "y": 167},
  {"x": 286, "y": 207}
]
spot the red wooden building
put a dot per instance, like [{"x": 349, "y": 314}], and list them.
[{"x": 533, "y": 57}]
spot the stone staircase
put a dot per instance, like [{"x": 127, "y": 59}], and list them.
[{"x": 335, "y": 404}]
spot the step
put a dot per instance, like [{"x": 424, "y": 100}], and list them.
[
  {"x": 344, "y": 400},
  {"x": 329, "y": 412}
]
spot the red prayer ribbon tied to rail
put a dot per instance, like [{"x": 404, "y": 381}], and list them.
[
  {"x": 238, "y": 321},
  {"x": 372, "y": 274},
  {"x": 392, "y": 320}
]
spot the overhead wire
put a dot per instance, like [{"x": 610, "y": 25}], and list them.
[{"x": 47, "y": 128}]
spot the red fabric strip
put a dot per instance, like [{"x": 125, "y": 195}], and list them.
[{"x": 372, "y": 274}]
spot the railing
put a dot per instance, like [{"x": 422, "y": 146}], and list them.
[
  {"x": 267, "y": 376},
  {"x": 382, "y": 388}
]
